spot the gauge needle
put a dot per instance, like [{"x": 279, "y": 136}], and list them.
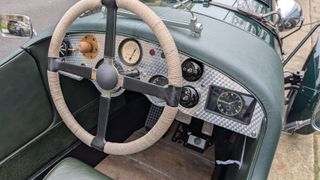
[
  {"x": 225, "y": 102},
  {"x": 234, "y": 102},
  {"x": 229, "y": 103},
  {"x": 133, "y": 54}
]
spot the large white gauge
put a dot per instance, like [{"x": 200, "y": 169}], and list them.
[{"x": 130, "y": 51}]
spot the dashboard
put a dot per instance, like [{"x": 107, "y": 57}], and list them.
[{"x": 207, "y": 94}]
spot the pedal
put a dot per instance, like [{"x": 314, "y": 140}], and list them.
[
  {"x": 184, "y": 118},
  {"x": 153, "y": 116}
]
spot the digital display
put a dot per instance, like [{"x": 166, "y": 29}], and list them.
[{"x": 231, "y": 104}]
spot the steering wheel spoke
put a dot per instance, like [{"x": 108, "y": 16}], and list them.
[
  {"x": 169, "y": 93},
  {"x": 99, "y": 140},
  {"x": 110, "y": 40},
  {"x": 57, "y": 64}
]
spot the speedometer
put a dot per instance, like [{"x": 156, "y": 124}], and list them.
[{"x": 130, "y": 51}]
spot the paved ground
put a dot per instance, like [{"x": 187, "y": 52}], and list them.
[
  {"x": 43, "y": 13},
  {"x": 297, "y": 156}
]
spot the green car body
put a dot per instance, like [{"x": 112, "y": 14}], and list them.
[{"x": 307, "y": 95}]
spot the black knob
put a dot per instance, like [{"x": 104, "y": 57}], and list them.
[
  {"x": 189, "y": 97},
  {"x": 191, "y": 70}
]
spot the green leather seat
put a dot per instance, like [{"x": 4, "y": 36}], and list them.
[{"x": 73, "y": 169}]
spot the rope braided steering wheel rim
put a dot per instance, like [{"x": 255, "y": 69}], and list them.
[{"x": 174, "y": 76}]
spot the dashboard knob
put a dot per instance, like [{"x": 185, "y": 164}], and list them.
[
  {"x": 85, "y": 47},
  {"x": 189, "y": 97},
  {"x": 191, "y": 70}
]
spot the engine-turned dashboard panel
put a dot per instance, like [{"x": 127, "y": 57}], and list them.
[{"x": 207, "y": 93}]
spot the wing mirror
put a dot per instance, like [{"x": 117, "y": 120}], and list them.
[
  {"x": 16, "y": 26},
  {"x": 290, "y": 14},
  {"x": 315, "y": 119}
]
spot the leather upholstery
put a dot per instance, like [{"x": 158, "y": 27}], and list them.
[
  {"x": 73, "y": 169},
  {"x": 25, "y": 108}
]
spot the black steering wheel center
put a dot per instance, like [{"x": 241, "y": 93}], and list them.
[{"x": 107, "y": 76}]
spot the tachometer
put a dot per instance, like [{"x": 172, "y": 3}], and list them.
[{"x": 130, "y": 51}]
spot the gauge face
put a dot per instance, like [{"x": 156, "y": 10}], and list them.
[
  {"x": 130, "y": 52},
  {"x": 159, "y": 80},
  {"x": 64, "y": 48},
  {"x": 191, "y": 70},
  {"x": 229, "y": 103}
]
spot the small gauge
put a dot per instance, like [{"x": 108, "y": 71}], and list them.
[
  {"x": 229, "y": 103},
  {"x": 65, "y": 48},
  {"x": 159, "y": 80},
  {"x": 130, "y": 52},
  {"x": 191, "y": 70}
]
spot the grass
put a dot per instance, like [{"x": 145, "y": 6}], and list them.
[{"x": 3, "y": 26}]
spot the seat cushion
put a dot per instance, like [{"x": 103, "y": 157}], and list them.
[{"x": 73, "y": 169}]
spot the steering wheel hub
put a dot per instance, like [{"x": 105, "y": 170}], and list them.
[{"x": 107, "y": 76}]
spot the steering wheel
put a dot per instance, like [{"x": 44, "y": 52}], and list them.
[{"x": 107, "y": 77}]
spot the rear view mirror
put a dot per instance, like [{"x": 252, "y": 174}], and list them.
[
  {"x": 15, "y": 26},
  {"x": 315, "y": 119},
  {"x": 290, "y": 14}
]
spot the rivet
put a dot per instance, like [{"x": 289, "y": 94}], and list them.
[{"x": 253, "y": 134}]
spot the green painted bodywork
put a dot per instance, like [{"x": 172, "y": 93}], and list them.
[
  {"x": 242, "y": 22},
  {"x": 244, "y": 57},
  {"x": 309, "y": 92}
]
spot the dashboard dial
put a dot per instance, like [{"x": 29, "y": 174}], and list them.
[
  {"x": 65, "y": 48},
  {"x": 229, "y": 103},
  {"x": 130, "y": 52},
  {"x": 191, "y": 70},
  {"x": 159, "y": 80}
]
